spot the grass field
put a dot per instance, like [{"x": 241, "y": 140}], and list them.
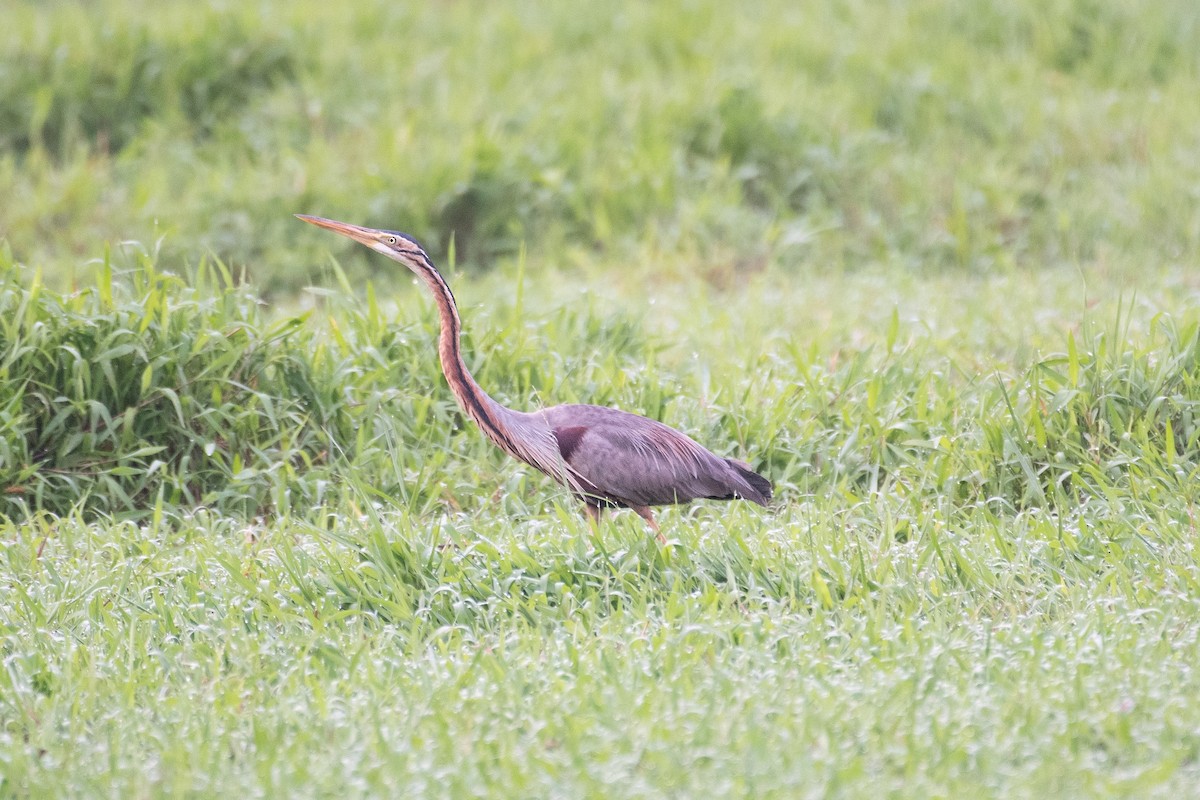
[{"x": 932, "y": 267}]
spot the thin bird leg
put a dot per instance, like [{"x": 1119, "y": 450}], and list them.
[
  {"x": 645, "y": 513},
  {"x": 592, "y": 513}
]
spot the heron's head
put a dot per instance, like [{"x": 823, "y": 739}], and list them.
[{"x": 393, "y": 244}]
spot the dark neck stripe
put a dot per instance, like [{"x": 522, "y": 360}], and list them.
[{"x": 468, "y": 392}]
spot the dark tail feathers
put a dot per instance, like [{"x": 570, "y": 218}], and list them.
[{"x": 761, "y": 488}]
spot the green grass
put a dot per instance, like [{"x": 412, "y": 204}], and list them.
[
  {"x": 921, "y": 136},
  {"x": 930, "y": 266}
]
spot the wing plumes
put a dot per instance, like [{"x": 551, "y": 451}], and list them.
[
  {"x": 762, "y": 490},
  {"x": 677, "y": 449},
  {"x": 624, "y": 459}
]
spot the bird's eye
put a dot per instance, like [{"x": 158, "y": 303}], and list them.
[{"x": 391, "y": 240}]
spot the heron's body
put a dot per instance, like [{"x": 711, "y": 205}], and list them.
[{"x": 604, "y": 456}]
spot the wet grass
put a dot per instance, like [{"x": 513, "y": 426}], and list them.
[{"x": 979, "y": 574}]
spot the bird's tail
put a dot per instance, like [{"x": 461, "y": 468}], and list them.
[{"x": 760, "y": 488}]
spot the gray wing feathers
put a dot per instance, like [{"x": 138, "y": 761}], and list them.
[{"x": 637, "y": 461}]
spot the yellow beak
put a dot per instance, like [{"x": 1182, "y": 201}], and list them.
[{"x": 364, "y": 236}]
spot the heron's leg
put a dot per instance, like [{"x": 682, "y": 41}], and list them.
[
  {"x": 645, "y": 513},
  {"x": 592, "y": 513}
]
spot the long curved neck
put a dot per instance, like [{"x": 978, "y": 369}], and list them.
[{"x": 492, "y": 418}]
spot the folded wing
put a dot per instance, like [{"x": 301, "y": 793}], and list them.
[{"x": 628, "y": 460}]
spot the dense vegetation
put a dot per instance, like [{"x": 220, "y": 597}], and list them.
[{"x": 930, "y": 266}]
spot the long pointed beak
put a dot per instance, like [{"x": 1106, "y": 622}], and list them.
[{"x": 364, "y": 236}]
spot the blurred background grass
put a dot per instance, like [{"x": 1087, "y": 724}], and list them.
[{"x": 925, "y": 136}]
